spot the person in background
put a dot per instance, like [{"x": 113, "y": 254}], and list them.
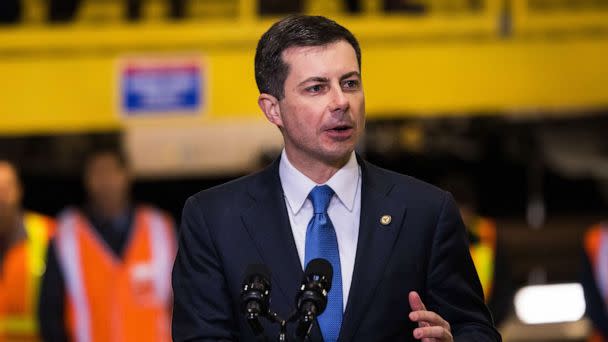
[
  {"x": 485, "y": 247},
  {"x": 594, "y": 279},
  {"x": 24, "y": 237},
  {"x": 109, "y": 265}
]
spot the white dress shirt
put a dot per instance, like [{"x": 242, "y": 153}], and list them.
[{"x": 344, "y": 211}]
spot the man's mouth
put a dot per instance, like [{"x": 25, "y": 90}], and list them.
[
  {"x": 340, "y": 132},
  {"x": 341, "y": 128}
]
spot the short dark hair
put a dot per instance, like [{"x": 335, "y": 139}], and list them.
[{"x": 295, "y": 30}]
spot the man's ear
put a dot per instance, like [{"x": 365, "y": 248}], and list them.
[{"x": 270, "y": 106}]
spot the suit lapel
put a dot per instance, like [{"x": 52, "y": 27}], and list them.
[
  {"x": 268, "y": 225},
  {"x": 374, "y": 246}
]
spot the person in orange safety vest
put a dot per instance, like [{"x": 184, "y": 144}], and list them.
[
  {"x": 24, "y": 237},
  {"x": 109, "y": 266},
  {"x": 594, "y": 279}
]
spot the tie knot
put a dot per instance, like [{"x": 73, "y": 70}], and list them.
[{"x": 320, "y": 196}]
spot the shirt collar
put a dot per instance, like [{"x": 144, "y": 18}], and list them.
[
  {"x": 296, "y": 186},
  {"x": 119, "y": 223}
]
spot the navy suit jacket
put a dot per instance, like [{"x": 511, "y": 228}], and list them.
[{"x": 424, "y": 248}]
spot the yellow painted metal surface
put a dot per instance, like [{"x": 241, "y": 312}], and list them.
[{"x": 65, "y": 78}]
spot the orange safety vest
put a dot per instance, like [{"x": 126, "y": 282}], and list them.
[
  {"x": 113, "y": 299},
  {"x": 596, "y": 247},
  {"x": 22, "y": 269},
  {"x": 484, "y": 253}
]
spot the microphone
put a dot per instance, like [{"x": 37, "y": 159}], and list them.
[
  {"x": 255, "y": 296},
  {"x": 311, "y": 299}
]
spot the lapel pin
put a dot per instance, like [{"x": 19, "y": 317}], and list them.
[{"x": 385, "y": 220}]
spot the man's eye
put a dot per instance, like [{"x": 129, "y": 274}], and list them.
[
  {"x": 315, "y": 88},
  {"x": 351, "y": 84}
]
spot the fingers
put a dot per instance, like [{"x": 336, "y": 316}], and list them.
[
  {"x": 429, "y": 317},
  {"x": 431, "y": 326},
  {"x": 436, "y": 333},
  {"x": 415, "y": 302},
  {"x": 417, "y": 305}
]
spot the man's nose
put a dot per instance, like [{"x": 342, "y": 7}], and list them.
[{"x": 339, "y": 101}]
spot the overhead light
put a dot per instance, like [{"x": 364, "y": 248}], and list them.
[{"x": 539, "y": 304}]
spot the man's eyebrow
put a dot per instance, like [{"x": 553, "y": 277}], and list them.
[
  {"x": 315, "y": 79},
  {"x": 350, "y": 74}
]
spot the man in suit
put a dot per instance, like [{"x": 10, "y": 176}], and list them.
[{"x": 398, "y": 248}]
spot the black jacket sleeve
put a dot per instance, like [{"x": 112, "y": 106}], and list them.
[
  {"x": 51, "y": 306},
  {"x": 201, "y": 308}
]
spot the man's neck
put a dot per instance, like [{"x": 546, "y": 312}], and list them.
[
  {"x": 109, "y": 212},
  {"x": 8, "y": 230},
  {"x": 318, "y": 171}
]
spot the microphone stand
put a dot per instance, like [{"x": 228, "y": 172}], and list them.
[{"x": 273, "y": 317}]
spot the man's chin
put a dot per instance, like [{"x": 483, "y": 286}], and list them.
[
  {"x": 5, "y": 220},
  {"x": 339, "y": 156}
]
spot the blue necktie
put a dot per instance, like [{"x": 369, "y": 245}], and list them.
[{"x": 321, "y": 242}]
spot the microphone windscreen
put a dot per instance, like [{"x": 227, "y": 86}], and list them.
[{"x": 322, "y": 268}]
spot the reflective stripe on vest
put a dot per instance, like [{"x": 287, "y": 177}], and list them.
[
  {"x": 601, "y": 266},
  {"x": 14, "y": 326},
  {"x": 161, "y": 260},
  {"x": 69, "y": 258},
  {"x": 37, "y": 242},
  {"x": 483, "y": 258}
]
